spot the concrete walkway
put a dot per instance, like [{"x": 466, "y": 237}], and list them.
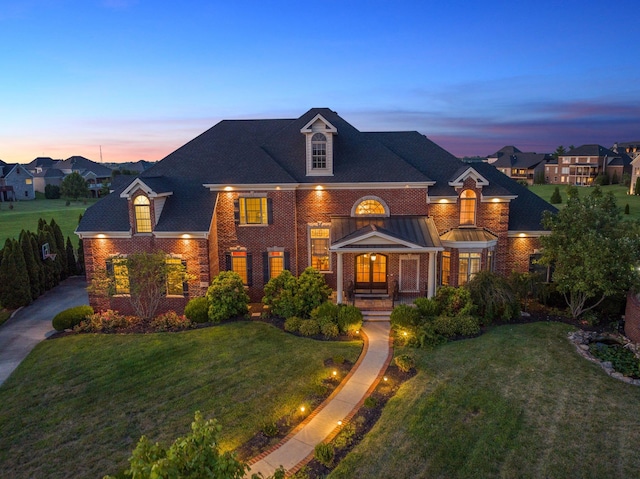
[
  {"x": 31, "y": 324},
  {"x": 298, "y": 448}
]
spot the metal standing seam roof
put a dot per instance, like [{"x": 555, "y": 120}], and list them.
[
  {"x": 468, "y": 235},
  {"x": 417, "y": 230}
]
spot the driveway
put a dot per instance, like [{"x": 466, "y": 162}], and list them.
[{"x": 32, "y": 324}]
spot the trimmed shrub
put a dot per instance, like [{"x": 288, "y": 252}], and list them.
[
  {"x": 405, "y": 317},
  {"x": 462, "y": 325},
  {"x": 324, "y": 454},
  {"x": 454, "y": 301},
  {"x": 405, "y": 362},
  {"x": 556, "y": 198},
  {"x": 427, "y": 307},
  {"x": 52, "y": 192},
  {"x": 107, "y": 321},
  {"x": 327, "y": 311},
  {"x": 270, "y": 428},
  {"x": 280, "y": 294},
  {"x": 312, "y": 291},
  {"x": 349, "y": 319},
  {"x": 197, "y": 310},
  {"x": 227, "y": 297},
  {"x": 370, "y": 402},
  {"x": 309, "y": 327},
  {"x": 329, "y": 330},
  {"x": 292, "y": 324},
  {"x": 70, "y": 318},
  {"x": 170, "y": 321},
  {"x": 428, "y": 337}
]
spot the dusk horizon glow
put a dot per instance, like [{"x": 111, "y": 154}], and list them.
[{"x": 137, "y": 80}]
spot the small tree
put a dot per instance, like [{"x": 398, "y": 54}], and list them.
[
  {"x": 626, "y": 209},
  {"x": 74, "y": 186},
  {"x": 227, "y": 297},
  {"x": 52, "y": 192},
  {"x": 538, "y": 178},
  {"x": 72, "y": 264},
  {"x": 31, "y": 262},
  {"x": 593, "y": 251},
  {"x": 636, "y": 189},
  {"x": 15, "y": 290},
  {"x": 280, "y": 294},
  {"x": 312, "y": 291},
  {"x": 148, "y": 275},
  {"x": 556, "y": 198}
]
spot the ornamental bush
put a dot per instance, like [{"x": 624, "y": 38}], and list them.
[
  {"x": 405, "y": 362},
  {"x": 227, "y": 297},
  {"x": 427, "y": 307},
  {"x": 280, "y": 294},
  {"x": 349, "y": 319},
  {"x": 170, "y": 321},
  {"x": 493, "y": 296},
  {"x": 405, "y": 316},
  {"x": 454, "y": 301},
  {"x": 324, "y": 454},
  {"x": 197, "y": 310},
  {"x": 461, "y": 325},
  {"x": 292, "y": 324},
  {"x": 70, "y": 318},
  {"x": 108, "y": 321},
  {"x": 556, "y": 198},
  {"x": 326, "y": 312},
  {"x": 309, "y": 327},
  {"x": 312, "y": 291},
  {"x": 330, "y": 330}
]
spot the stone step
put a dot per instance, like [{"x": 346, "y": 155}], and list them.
[{"x": 373, "y": 316}]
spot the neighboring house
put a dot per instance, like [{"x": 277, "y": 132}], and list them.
[
  {"x": 580, "y": 166},
  {"x": 631, "y": 148},
  {"x": 376, "y": 212},
  {"x": 518, "y": 165},
  {"x": 16, "y": 183},
  {"x": 94, "y": 173}
]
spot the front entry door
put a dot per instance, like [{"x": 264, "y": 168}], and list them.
[{"x": 371, "y": 273}]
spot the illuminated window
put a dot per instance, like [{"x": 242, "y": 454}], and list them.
[
  {"x": 468, "y": 266},
  {"x": 468, "y": 208},
  {"x": 118, "y": 270},
  {"x": 276, "y": 263},
  {"x": 318, "y": 151},
  {"x": 253, "y": 211},
  {"x": 445, "y": 268},
  {"x": 175, "y": 277},
  {"x": 370, "y": 207},
  {"x": 491, "y": 260},
  {"x": 28, "y": 181},
  {"x": 142, "y": 209},
  {"x": 319, "y": 248},
  {"x": 241, "y": 263}
]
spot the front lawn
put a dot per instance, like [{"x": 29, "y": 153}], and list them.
[
  {"x": 77, "y": 405},
  {"x": 25, "y": 215},
  {"x": 517, "y": 402},
  {"x": 620, "y": 192}
]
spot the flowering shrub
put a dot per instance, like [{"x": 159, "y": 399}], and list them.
[
  {"x": 170, "y": 321},
  {"x": 108, "y": 321}
]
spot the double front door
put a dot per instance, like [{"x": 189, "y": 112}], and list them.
[{"x": 371, "y": 273}]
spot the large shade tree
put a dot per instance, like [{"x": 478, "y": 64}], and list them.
[
  {"x": 594, "y": 252},
  {"x": 74, "y": 186}
]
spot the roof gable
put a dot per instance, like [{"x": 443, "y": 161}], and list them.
[{"x": 466, "y": 173}]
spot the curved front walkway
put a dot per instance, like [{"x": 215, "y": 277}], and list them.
[
  {"x": 298, "y": 447},
  {"x": 31, "y": 324}
]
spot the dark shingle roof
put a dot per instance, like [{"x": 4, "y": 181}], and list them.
[{"x": 79, "y": 163}]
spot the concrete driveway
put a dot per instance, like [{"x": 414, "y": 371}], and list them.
[{"x": 32, "y": 324}]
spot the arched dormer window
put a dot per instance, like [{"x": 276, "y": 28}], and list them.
[
  {"x": 468, "y": 208},
  {"x": 142, "y": 210},
  {"x": 318, "y": 151},
  {"x": 370, "y": 206}
]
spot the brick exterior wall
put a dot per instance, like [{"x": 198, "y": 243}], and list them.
[
  {"x": 293, "y": 213},
  {"x": 632, "y": 318}
]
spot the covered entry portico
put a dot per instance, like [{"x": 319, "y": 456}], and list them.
[{"x": 373, "y": 250}]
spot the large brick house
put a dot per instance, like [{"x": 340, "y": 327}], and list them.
[
  {"x": 374, "y": 212},
  {"x": 581, "y": 166}
]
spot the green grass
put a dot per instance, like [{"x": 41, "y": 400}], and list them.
[
  {"x": 77, "y": 405},
  {"x": 25, "y": 215},
  {"x": 517, "y": 402},
  {"x": 620, "y": 192}
]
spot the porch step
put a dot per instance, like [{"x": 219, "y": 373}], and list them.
[{"x": 376, "y": 316}]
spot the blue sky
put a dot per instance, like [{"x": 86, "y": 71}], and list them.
[{"x": 139, "y": 78}]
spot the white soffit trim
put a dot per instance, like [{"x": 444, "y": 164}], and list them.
[
  {"x": 307, "y": 128},
  {"x": 103, "y": 234},
  {"x": 527, "y": 234},
  {"x": 139, "y": 184},
  {"x": 182, "y": 234},
  {"x": 469, "y": 173},
  {"x": 497, "y": 199}
]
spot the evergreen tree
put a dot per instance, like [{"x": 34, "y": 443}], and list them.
[
  {"x": 33, "y": 270},
  {"x": 60, "y": 249},
  {"x": 614, "y": 178},
  {"x": 72, "y": 266},
  {"x": 556, "y": 199},
  {"x": 636, "y": 190},
  {"x": 51, "y": 273},
  {"x": 37, "y": 254},
  {"x": 15, "y": 290},
  {"x": 74, "y": 186},
  {"x": 626, "y": 209},
  {"x": 80, "y": 267}
]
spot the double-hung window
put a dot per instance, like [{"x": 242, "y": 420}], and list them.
[
  {"x": 318, "y": 151},
  {"x": 252, "y": 210},
  {"x": 240, "y": 262},
  {"x": 142, "y": 211},
  {"x": 468, "y": 266},
  {"x": 445, "y": 268},
  {"x": 319, "y": 248}
]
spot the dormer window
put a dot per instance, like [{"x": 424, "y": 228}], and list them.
[
  {"x": 142, "y": 211},
  {"x": 319, "y": 138},
  {"x": 318, "y": 151},
  {"x": 468, "y": 208}
]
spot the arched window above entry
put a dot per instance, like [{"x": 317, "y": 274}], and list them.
[
  {"x": 318, "y": 151},
  {"x": 370, "y": 206},
  {"x": 142, "y": 210},
  {"x": 468, "y": 208}
]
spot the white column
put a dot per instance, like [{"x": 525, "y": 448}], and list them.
[
  {"x": 339, "y": 281},
  {"x": 431, "y": 291}
]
